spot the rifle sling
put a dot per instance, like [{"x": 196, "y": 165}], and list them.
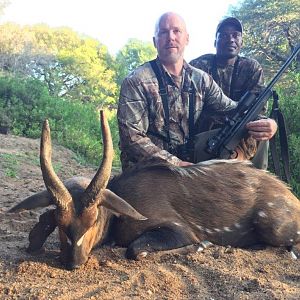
[
  {"x": 164, "y": 96},
  {"x": 277, "y": 115}
]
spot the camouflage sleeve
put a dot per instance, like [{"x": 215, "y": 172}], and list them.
[
  {"x": 215, "y": 100},
  {"x": 199, "y": 64},
  {"x": 133, "y": 121}
]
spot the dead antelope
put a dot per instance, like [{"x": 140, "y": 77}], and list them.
[{"x": 162, "y": 207}]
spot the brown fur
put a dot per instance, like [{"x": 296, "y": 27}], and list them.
[{"x": 220, "y": 201}]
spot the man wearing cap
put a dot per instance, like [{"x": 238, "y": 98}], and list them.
[{"x": 236, "y": 75}]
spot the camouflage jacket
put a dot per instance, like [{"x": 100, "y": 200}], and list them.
[
  {"x": 248, "y": 75},
  {"x": 235, "y": 80},
  {"x": 140, "y": 114}
]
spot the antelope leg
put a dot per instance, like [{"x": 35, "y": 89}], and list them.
[{"x": 41, "y": 230}]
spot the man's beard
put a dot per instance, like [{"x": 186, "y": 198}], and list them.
[{"x": 172, "y": 58}]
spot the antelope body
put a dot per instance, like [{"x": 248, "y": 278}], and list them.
[{"x": 162, "y": 207}]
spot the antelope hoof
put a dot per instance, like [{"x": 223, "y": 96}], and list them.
[
  {"x": 35, "y": 251},
  {"x": 141, "y": 255},
  {"x": 136, "y": 254},
  {"x": 204, "y": 245}
]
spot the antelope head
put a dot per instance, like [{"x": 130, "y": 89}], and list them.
[{"x": 82, "y": 216}]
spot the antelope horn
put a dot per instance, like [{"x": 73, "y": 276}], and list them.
[
  {"x": 54, "y": 185},
  {"x": 100, "y": 180}
]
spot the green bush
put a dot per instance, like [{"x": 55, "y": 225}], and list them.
[
  {"x": 73, "y": 124},
  {"x": 289, "y": 103}
]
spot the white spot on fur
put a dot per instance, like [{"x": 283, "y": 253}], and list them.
[
  {"x": 271, "y": 204},
  {"x": 262, "y": 214},
  {"x": 208, "y": 231},
  {"x": 298, "y": 232},
  {"x": 294, "y": 256},
  {"x": 199, "y": 227},
  {"x": 142, "y": 254},
  {"x": 291, "y": 240},
  {"x": 227, "y": 229},
  {"x": 79, "y": 242},
  {"x": 206, "y": 244},
  {"x": 200, "y": 249},
  {"x": 177, "y": 224},
  {"x": 217, "y": 229},
  {"x": 247, "y": 231}
]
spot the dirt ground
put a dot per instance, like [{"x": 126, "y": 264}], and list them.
[{"x": 216, "y": 273}]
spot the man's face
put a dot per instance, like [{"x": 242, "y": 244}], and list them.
[
  {"x": 170, "y": 39},
  {"x": 228, "y": 41}
]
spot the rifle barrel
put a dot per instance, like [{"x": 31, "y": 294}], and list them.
[{"x": 284, "y": 67}]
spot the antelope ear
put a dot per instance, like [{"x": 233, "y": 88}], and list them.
[
  {"x": 41, "y": 199},
  {"x": 119, "y": 206}
]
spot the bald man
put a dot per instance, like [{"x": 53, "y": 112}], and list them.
[{"x": 154, "y": 104}]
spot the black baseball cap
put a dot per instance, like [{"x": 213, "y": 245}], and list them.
[{"x": 230, "y": 21}]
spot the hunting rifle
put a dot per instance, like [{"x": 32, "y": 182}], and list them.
[{"x": 221, "y": 143}]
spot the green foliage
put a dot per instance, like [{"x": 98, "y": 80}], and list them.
[
  {"x": 73, "y": 124},
  {"x": 18, "y": 100},
  {"x": 273, "y": 34},
  {"x": 294, "y": 148},
  {"x": 290, "y": 105},
  {"x": 5, "y": 120},
  {"x": 10, "y": 164},
  {"x": 133, "y": 54},
  {"x": 71, "y": 66}
]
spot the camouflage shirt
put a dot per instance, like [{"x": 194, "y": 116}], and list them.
[
  {"x": 141, "y": 115},
  {"x": 235, "y": 80}
]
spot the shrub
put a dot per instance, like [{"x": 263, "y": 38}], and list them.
[{"x": 73, "y": 124}]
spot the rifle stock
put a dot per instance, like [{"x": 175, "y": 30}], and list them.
[{"x": 221, "y": 143}]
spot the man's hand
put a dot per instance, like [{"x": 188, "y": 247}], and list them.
[
  {"x": 262, "y": 130},
  {"x": 184, "y": 163}
]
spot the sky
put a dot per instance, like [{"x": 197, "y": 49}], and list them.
[{"x": 113, "y": 22}]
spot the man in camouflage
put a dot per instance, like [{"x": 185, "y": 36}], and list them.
[
  {"x": 236, "y": 75},
  {"x": 141, "y": 115}
]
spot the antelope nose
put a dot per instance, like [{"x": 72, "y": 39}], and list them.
[{"x": 72, "y": 266}]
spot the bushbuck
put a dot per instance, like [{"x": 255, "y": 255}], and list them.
[{"x": 161, "y": 207}]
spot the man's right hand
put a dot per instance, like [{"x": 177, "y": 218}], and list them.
[{"x": 184, "y": 163}]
